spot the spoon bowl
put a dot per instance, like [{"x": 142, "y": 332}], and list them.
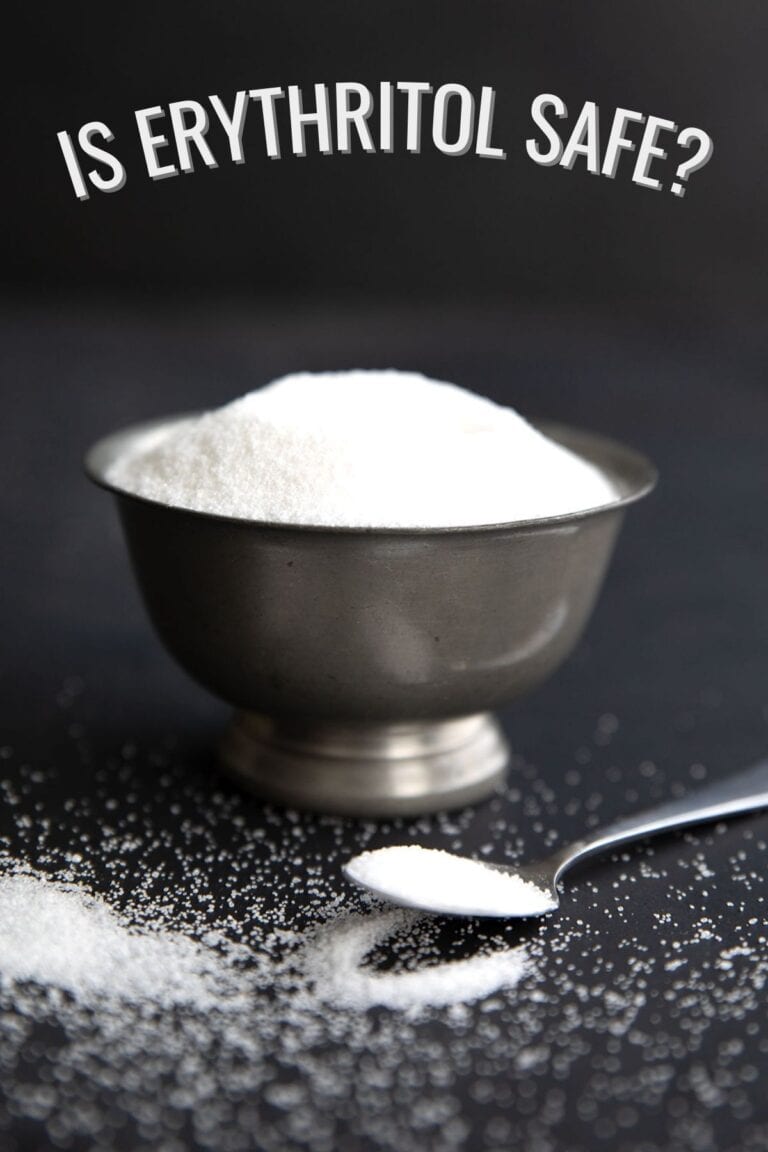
[{"x": 431, "y": 880}]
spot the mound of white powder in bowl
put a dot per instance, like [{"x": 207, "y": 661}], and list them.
[{"x": 374, "y": 449}]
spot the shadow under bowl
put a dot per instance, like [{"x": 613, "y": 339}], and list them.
[{"x": 365, "y": 663}]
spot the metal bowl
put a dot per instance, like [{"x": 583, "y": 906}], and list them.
[{"x": 365, "y": 662}]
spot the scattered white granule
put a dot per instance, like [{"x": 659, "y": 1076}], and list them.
[
  {"x": 429, "y": 878},
  {"x": 383, "y": 449}
]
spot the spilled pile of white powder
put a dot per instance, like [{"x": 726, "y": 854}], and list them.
[
  {"x": 342, "y": 978},
  {"x": 381, "y": 449},
  {"x": 60, "y": 936},
  {"x": 441, "y": 882}
]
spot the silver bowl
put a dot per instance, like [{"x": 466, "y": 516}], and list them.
[{"x": 364, "y": 662}]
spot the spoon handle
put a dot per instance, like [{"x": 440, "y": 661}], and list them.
[{"x": 742, "y": 791}]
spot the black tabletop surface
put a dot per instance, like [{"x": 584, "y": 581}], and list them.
[{"x": 640, "y": 1022}]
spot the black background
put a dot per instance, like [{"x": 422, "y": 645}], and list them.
[
  {"x": 399, "y": 225},
  {"x": 572, "y": 296}
]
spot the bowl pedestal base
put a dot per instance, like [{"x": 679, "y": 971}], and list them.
[{"x": 367, "y": 769}]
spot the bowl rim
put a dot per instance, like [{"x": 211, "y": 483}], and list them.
[{"x": 630, "y": 468}]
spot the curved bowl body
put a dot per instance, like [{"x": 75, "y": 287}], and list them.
[{"x": 372, "y": 625}]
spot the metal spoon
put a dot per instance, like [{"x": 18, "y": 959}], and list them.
[{"x": 742, "y": 792}]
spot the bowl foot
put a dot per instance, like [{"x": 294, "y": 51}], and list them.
[{"x": 367, "y": 769}]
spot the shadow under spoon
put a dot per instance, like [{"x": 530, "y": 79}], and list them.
[{"x": 435, "y": 881}]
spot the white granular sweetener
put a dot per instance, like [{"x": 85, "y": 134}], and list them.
[
  {"x": 441, "y": 882},
  {"x": 61, "y": 936},
  {"x": 382, "y": 449},
  {"x": 338, "y": 955}
]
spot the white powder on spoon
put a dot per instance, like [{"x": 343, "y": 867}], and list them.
[
  {"x": 383, "y": 449},
  {"x": 441, "y": 882}
]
